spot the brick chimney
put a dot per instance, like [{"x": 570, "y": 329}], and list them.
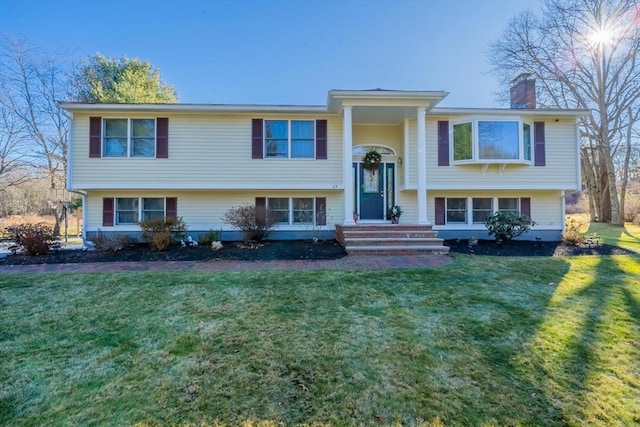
[{"x": 523, "y": 92}]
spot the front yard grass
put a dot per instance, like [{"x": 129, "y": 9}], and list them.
[{"x": 482, "y": 341}]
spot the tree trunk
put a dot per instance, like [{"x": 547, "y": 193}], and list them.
[{"x": 625, "y": 169}]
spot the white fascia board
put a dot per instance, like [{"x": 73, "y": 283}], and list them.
[
  {"x": 445, "y": 111},
  {"x": 193, "y": 108},
  {"x": 201, "y": 186},
  {"x": 337, "y": 98}
]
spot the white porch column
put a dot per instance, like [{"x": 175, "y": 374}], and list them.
[
  {"x": 422, "y": 167},
  {"x": 347, "y": 171}
]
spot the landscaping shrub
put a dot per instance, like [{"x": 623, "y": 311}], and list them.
[
  {"x": 159, "y": 233},
  {"x": 572, "y": 234},
  {"x": 32, "y": 239},
  {"x": 205, "y": 239},
  {"x": 112, "y": 244},
  {"x": 507, "y": 225},
  {"x": 255, "y": 222}
]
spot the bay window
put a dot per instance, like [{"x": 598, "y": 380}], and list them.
[{"x": 491, "y": 141}]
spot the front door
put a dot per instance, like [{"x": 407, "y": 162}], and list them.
[{"x": 371, "y": 193}]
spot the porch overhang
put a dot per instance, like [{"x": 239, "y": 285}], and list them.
[{"x": 382, "y": 106}]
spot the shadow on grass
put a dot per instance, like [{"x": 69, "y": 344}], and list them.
[
  {"x": 632, "y": 236},
  {"x": 588, "y": 356}
]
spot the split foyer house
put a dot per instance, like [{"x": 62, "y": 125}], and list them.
[{"x": 447, "y": 168}]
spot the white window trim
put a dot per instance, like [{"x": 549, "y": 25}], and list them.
[
  {"x": 289, "y": 157},
  {"x": 136, "y": 224},
  {"x": 129, "y": 138},
  {"x": 475, "y": 141}
]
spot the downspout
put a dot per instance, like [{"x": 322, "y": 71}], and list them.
[{"x": 564, "y": 210}]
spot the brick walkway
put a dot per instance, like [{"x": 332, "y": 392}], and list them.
[{"x": 353, "y": 262}]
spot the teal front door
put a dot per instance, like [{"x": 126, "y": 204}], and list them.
[{"x": 371, "y": 193}]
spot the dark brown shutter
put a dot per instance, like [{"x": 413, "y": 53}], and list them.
[
  {"x": 162, "y": 138},
  {"x": 321, "y": 211},
  {"x": 525, "y": 206},
  {"x": 257, "y": 139},
  {"x": 321, "y": 139},
  {"x": 539, "y": 149},
  {"x": 443, "y": 143},
  {"x": 172, "y": 207},
  {"x": 107, "y": 211},
  {"x": 95, "y": 136},
  {"x": 261, "y": 210},
  {"x": 440, "y": 210}
]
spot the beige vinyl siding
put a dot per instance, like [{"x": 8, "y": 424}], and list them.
[
  {"x": 546, "y": 207},
  {"x": 203, "y": 210},
  {"x": 561, "y": 170},
  {"x": 387, "y": 135},
  {"x": 207, "y": 151}
]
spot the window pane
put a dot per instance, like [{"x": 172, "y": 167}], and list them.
[
  {"x": 301, "y": 129},
  {"x": 457, "y": 210},
  {"x": 115, "y": 138},
  {"x": 509, "y": 204},
  {"x": 127, "y": 204},
  {"x": 498, "y": 140},
  {"x": 143, "y": 128},
  {"x": 276, "y": 147},
  {"x": 302, "y": 142},
  {"x": 153, "y": 204},
  {"x": 302, "y": 148},
  {"x": 276, "y": 129},
  {"x": 279, "y": 207},
  {"x": 143, "y": 147},
  {"x": 303, "y": 210},
  {"x": 276, "y": 138},
  {"x": 115, "y": 147},
  {"x": 462, "y": 141},
  {"x": 482, "y": 209},
  {"x": 115, "y": 128},
  {"x": 526, "y": 136},
  {"x": 127, "y": 210}
]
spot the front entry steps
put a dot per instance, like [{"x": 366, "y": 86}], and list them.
[{"x": 390, "y": 239}]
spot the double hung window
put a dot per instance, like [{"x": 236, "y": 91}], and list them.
[
  {"x": 292, "y": 210},
  {"x": 456, "y": 210},
  {"x": 133, "y": 210},
  {"x": 129, "y": 138},
  {"x": 289, "y": 139}
]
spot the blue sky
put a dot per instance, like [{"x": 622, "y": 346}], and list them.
[{"x": 286, "y": 51}]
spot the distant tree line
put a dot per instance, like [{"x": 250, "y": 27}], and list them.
[{"x": 34, "y": 132}]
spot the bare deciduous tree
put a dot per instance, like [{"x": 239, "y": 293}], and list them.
[
  {"x": 32, "y": 82},
  {"x": 13, "y": 167},
  {"x": 584, "y": 54}
]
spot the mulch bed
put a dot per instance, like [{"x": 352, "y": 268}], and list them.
[
  {"x": 532, "y": 248},
  {"x": 300, "y": 250}
]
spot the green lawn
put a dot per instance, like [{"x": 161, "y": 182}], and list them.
[
  {"x": 482, "y": 341},
  {"x": 627, "y": 237}
]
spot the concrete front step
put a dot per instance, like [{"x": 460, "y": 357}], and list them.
[
  {"x": 393, "y": 241},
  {"x": 391, "y": 234},
  {"x": 390, "y": 239},
  {"x": 397, "y": 250}
]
